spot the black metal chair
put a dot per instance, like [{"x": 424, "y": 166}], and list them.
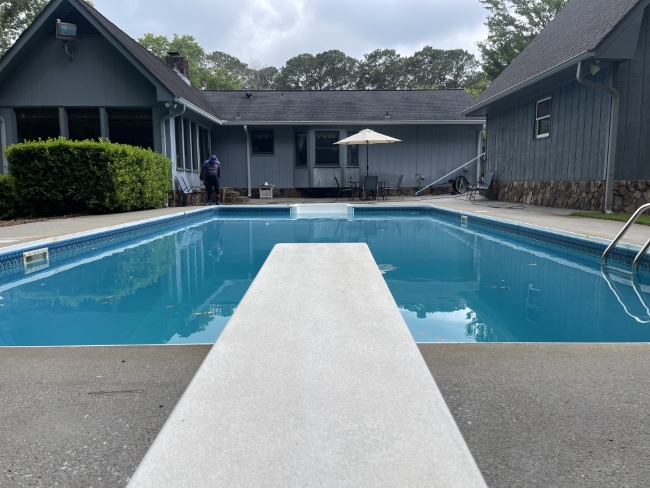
[
  {"x": 482, "y": 185},
  {"x": 371, "y": 185},
  {"x": 397, "y": 188},
  {"x": 343, "y": 189}
]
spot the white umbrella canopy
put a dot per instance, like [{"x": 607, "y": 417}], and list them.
[{"x": 367, "y": 137}]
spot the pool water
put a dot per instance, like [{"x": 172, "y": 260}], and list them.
[{"x": 451, "y": 284}]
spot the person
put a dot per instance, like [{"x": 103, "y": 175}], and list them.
[{"x": 210, "y": 174}]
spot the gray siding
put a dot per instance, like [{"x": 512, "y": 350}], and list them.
[
  {"x": 98, "y": 77},
  {"x": 576, "y": 148},
  {"x": 632, "y": 80},
  {"x": 431, "y": 150}
]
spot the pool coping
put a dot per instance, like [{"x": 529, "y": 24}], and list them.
[{"x": 624, "y": 253}]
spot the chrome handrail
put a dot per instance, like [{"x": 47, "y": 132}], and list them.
[
  {"x": 625, "y": 228},
  {"x": 609, "y": 281}
]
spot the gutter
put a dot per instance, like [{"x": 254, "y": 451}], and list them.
[
  {"x": 356, "y": 122},
  {"x": 199, "y": 111},
  {"x": 613, "y": 129},
  {"x": 248, "y": 159},
  {"x": 3, "y": 145},
  {"x": 544, "y": 74}
]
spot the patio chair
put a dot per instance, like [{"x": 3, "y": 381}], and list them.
[
  {"x": 343, "y": 189},
  {"x": 397, "y": 188},
  {"x": 187, "y": 189},
  {"x": 371, "y": 185},
  {"x": 482, "y": 185}
]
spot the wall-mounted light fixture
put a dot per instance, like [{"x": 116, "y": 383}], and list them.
[{"x": 66, "y": 32}]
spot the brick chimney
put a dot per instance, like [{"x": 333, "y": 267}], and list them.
[{"x": 178, "y": 62}]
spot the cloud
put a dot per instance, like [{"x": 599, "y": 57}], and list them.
[{"x": 272, "y": 31}]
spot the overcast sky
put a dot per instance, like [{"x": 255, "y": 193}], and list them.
[{"x": 272, "y": 31}]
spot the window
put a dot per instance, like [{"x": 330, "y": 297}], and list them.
[
  {"x": 204, "y": 144},
  {"x": 131, "y": 126},
  {"x": 187, "y": 144},
  {"x": 301, "y": 148},
  {"x": 195, "y": 148},
  {"x": 83, "y": 124},
  {"x": 261, "y": 142},
  {"x": 327, "y": 153},
  {"x": 37, "y": 123},
  {"x": 353, "y": 153},
  {"x": 178, "y": 139},
  {"x": 543, "y": 118}
]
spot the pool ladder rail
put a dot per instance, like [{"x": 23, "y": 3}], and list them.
[{"x": 619, "y": 236}]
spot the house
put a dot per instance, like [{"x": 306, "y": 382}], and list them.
[
  {"x": 566, "y": 120},
  {"x": 102, "y": 83}
]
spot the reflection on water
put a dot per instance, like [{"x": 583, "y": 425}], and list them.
[{"x": 451, "y": 284}]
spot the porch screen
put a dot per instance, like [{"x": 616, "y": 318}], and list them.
[
  {"x": 327, "y": 153},
  {"x": 353, "y": 152},
  {"x": 83, "y": 124},
  {"x": 301, "y": 149},
  {"x": 37, "y": 123},
  {"x": 131, "y": 126}
]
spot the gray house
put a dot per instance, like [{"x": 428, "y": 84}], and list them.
[
  {"x": 566, "y": 120},
  {"x": 102, "y": 83}
]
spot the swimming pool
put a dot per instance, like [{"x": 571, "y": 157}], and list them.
[{"x": 453, "y": 281}]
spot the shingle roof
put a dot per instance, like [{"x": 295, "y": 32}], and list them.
[
  {"x": 345, "y": 106},
  {"x": 578, "y": 28},
  {"x": 163, "y": 73}
]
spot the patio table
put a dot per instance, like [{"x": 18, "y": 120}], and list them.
[{"x": 358, "y": 185}]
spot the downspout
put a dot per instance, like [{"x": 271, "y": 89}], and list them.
[
  {"x": 3, "y": 145},
  {"x": 163, "y": 139},
  {"x": 478, "y": 153},
  {"x": 248, "y": 159},
  {"x": 613, "y": 129}
]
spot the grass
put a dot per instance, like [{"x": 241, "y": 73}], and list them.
[{"x": 617, "y": 217}]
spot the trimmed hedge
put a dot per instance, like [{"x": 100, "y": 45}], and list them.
[
  {"x": 59, "y": 177},
  {"x": 8, "y": 198}
]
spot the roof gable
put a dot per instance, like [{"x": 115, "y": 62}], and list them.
[{"x": 571, "y": 36}]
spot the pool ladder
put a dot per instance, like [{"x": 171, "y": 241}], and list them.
[{"x": 644, "y": 249}]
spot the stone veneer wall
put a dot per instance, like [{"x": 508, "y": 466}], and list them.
[{"x": 579, "y": 195}]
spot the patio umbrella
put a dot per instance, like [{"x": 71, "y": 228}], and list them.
[{"x": 367, "y": 136}]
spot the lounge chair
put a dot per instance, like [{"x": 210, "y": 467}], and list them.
[
  {"x": 481, "y": 185},
  {"x": 183, "y": 186},
  {"x": 343, "y": 189}
]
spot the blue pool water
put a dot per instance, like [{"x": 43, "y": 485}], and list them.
[{"x": 452, "y": 284}]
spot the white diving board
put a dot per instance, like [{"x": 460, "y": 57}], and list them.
[{"x": 315, "y": 381}]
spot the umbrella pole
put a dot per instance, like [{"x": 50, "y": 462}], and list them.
[{"x": 367, "y": 152}]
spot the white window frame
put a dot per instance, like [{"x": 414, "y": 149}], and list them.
[{"x": 538, "y": 119}]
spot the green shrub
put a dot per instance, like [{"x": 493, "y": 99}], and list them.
[
  {"x": 8, "y": 198},
  {"x": 58, "y": 177}
]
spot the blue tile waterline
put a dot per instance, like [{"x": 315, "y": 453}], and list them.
[{"x": 181, "y": 286}]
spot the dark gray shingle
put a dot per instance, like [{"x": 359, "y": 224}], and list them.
[
  {"x": 347, "y": 106},
  {"x": 163, "y": 73},
  {"x": 579, "y": 27}
]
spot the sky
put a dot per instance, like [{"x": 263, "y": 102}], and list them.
[{"x": 269, "y": 32}]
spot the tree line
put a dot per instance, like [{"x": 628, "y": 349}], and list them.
[{"x": 511, "y": 24}]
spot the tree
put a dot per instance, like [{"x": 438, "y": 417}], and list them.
[
  {"x": 298, "y": 73},
  {"x": 512, "y": 25},
  {"x": 439, "y": 68},
  {"x": 382, "y": 69},
  {"x": 15, "y": 17},
  {"x": 329, "y": 70}
]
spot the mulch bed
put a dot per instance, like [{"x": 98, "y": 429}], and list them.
[{"x": 9, "y": 223}]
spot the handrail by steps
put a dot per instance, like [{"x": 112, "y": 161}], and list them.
[{"x": 620, "y": 235}]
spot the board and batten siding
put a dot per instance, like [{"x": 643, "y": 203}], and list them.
[
  {"x": 632, "y": 80},
  {"x": 100, "y": 76},
  {"x": 577, "y": 145},
  {"x": 430, "y": 150}
]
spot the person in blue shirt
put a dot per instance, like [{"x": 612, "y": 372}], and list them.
[{"x": 210, "y": 174}]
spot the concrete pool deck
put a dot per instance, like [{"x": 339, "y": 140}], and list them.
[
  {"x": 555, "y": 218},
  {"x": 570, "y": 415}
]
